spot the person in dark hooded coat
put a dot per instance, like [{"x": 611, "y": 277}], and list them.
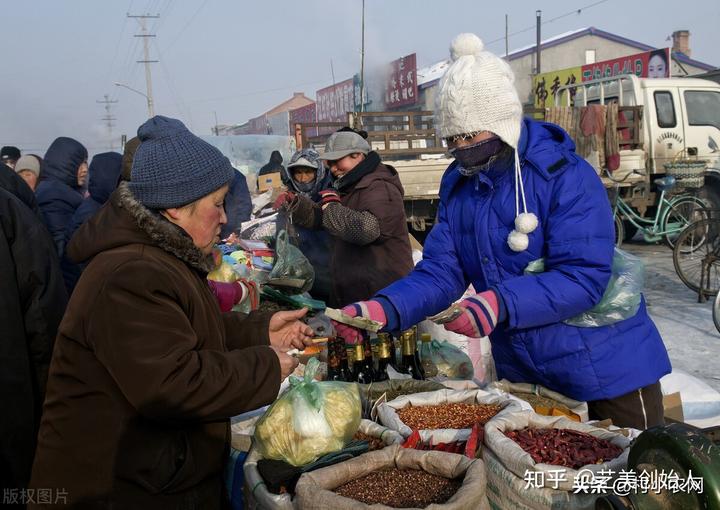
[
  {"x": 59, "y": 193},
  {"x": 238, "y": 205},
  {"x": 274, "y": 165},
  {"x": 32, "y": 303},
  {"x": 104, "y": 175},
  {"x": 306, "y": 175}
]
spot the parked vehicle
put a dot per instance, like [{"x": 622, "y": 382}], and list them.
[{"x": 676, "y": 120}]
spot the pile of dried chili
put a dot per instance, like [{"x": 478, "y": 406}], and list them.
[{"x": 564, "y": 447}]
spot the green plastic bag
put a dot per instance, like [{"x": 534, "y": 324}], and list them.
[
  {"x": 292, "y": 272},
  {"x": 451, "y": 362},
  {"x": 622, "y": 296},
  {"x": 312, "y": 418}
]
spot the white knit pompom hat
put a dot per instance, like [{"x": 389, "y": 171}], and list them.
[{"x": 477, "y": 93}]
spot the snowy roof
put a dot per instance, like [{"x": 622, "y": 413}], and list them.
[
  {"x": 431, "y": 72},
  {"x": 549, "y": 40}
]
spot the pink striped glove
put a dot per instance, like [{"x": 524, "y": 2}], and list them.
[
  {"x": 369, "y": 309},
  {"x": 479, "y": 317}
]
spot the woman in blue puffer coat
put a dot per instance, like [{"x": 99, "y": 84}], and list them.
[{"x": 517, "y": 192}]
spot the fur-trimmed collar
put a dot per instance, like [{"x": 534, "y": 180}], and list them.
[{"x": 164, "y": 233}]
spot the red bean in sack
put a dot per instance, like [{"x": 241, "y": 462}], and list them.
[{"x": 564, "y": 447}]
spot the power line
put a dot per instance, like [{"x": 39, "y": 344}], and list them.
[
  {"x": 117, "y": 48},
  {"x": 177, "y": 36},
  {"x": 257, "y": 92},
  {"x": 533, "y": 27},
  {"x": 179, "y": 104}
]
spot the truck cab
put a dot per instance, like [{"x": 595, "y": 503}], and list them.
[{"x": 680, "y": 118}]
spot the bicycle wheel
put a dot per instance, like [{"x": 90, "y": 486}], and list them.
[
  {"x": 619, "y": 231},
  {"x": 683, "y": 210},
  {"x": 716, "y": 312},
  {"x": 696, "y": 256}
]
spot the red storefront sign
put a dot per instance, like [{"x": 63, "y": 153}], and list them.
[
  {"x": 335, "y": 101},
  {"x": 401, "y": 85},
  {"x": 649, "y": 64}
]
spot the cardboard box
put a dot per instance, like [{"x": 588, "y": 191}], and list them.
[
  {"x": 672, "y": 407},
  {"x": 267, "y": 181}
]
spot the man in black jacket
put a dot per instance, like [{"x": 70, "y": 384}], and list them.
[{"x": 32, "y": 303}]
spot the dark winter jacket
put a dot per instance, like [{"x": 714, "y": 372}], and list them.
[
  {"x": 238, "y": 205},
  {"x": 358, "y": 272},
  {"x": 103, "y": 175},
  {"x": 146, "y": 370},
  {"x": 316, "y": 245},
  {"x": 274, "y": 165},
  {"x": 468, "y": 245},
  {"x": 11, "y": 182},
  {"x": 58, "y": 193},
  {"x": 32, "y": 303}
]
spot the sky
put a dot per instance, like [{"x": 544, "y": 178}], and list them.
[{"x": 235, "y": 59}]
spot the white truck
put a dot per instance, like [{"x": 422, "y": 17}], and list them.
[{"x": 678, "y": 118}]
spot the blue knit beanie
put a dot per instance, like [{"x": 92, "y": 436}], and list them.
[{"x": 173, "y": 167}]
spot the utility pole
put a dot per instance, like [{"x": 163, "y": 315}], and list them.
[
  {"x": 538, "y": 19},
  {"x": 146, "y": 57},
  {"x": 362, "y": 63},
  {"x": 506, "y": 37},
  {"x": 216, "y": 124},
  {"x": 108, "y": 118}
]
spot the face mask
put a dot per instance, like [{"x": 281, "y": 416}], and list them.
[
  {"x": 473, "y": 157},
  {"x": 304, "y": 187}
]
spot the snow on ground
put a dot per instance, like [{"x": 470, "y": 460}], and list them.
[{"x": 686, "y": 326}]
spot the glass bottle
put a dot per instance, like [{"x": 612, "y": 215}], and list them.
[
  {"x": 409, "y": 361},
  {"x": 344, "y": 367},
  {"x": 333, "y": 360},
  {"x": 416, "y": 350},
  {"x": 384, "y": 359},
  {"x": 362, "y": 367},
  {"x": 426, "y": 362},
  {"x": 387, "y": 338},
  {"x": 350, "y": 356}
]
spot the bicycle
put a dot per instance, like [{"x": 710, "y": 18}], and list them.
[
  {"x": 696, "y": 255},
  {"x": 672, "y": 215}
]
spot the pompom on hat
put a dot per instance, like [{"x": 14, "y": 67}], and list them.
[{"x": 477, "y": 93}]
